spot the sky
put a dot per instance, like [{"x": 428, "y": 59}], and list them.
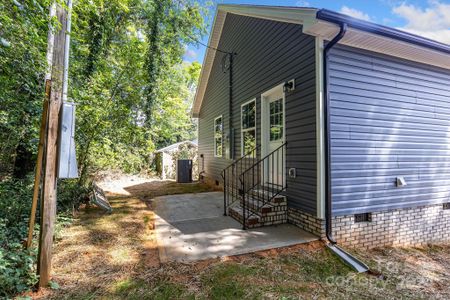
[{"x": 429, "y": 18}]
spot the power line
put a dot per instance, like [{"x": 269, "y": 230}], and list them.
[{"x": 209, "y": 47}]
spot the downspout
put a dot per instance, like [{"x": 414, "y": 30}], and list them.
[{"x": 327, "y": 150}]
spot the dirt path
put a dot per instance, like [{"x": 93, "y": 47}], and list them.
[{"x": 114, "y": 256}]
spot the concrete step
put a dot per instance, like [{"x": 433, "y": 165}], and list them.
[
  {"x": 235, "y": 211},
  {"x": 264, "y": 194},
  {"x": 258, "y": 206}
]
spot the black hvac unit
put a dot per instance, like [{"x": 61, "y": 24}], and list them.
[{"x": 184, "y": 170}]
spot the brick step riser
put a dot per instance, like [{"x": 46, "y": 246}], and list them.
[
  {"x": 252, "y": 223},
  {"x": 273, "y": 218},
  {"x": 264, "y": 211}
]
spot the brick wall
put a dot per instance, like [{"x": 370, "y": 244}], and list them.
[
  {"x": 306, "y": 222},
  {"x": 400, "y": 227}
]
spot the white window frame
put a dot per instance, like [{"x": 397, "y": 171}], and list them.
[
  {"x": 248, "y": 129},
  {"x": 214, "y": 136}
]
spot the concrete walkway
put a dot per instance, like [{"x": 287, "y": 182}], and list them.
[{"x": 192, "y": 227}]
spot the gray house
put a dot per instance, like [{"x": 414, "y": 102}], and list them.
[{"x": 337, "y": 125}]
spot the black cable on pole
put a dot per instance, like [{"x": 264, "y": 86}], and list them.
[{"x": 209, "y": 47}]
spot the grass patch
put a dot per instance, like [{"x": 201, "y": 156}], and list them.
[
  {"x": 230, "y": 281},
  {"x": 138, "y": 289},
  {"x": 146, "y": 219}
]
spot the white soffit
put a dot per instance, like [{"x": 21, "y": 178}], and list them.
[{"x": 377, "y": 43}]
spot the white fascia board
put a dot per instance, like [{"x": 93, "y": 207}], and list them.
[
  {"x": 208, "y": 60},
  {"x": 294, "y": 15},
  {"x": 380, "y": 44}
]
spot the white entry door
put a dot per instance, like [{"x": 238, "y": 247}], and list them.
[{"x": 273, "y": 136}]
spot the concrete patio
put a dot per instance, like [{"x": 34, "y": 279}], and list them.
[{"x": 191, "y": 227}]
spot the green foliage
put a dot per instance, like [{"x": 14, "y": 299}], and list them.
[
  {"x": 15, "y": 205},
  {"x": 71, "y": 195},
  {"x": 133, "y": 95},
  {"x": 133, "y": 91},
  {"x": 23, "y": 32},
  {"x": 17, "y": 266},
  {"x": 17, "y": 272},
  {"x": 127, "y": 76}
]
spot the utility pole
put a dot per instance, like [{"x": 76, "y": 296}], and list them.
[
  {"x": 49, "y": 185},
  {"x": 43, "y": 130}
]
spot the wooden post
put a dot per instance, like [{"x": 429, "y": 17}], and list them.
[
  {"x": 48, "y": 203},
  {"x": 40, "y": 155},
  {"x": 43, "y": 130}
]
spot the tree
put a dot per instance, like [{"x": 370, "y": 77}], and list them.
[
  {"x": 128, "y": 67},
  {"x": 23, "y": 32}
]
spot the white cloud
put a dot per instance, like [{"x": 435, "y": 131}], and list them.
[
  {"x": 302, "y": 3},
  {"x": 355, "y": 13},
  {"x": 432, "y": 22},
  {"x": 191, "y": 54}
]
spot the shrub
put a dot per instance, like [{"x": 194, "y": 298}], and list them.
[
  {"x": 17, "y": 265},
  {"x": 17, "y": 269}
]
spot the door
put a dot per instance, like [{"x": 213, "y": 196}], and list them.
[{"x": 273, "y": 136}]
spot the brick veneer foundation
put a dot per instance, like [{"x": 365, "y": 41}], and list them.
[
  {"x": 306, "y": 222},
  {"x": 399, "y": 227}
]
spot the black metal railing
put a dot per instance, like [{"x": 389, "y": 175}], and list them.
[
  {"x": 230, "y": 176},
  {"x": 262, "y": 182}
]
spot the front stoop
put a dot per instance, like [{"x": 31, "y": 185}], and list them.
[{"x": 271, "y": 213}]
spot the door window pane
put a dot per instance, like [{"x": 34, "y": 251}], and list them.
[{"x": 276, "y": 118}]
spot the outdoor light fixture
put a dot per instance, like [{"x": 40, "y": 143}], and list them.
[
  {"x": 292, "y": 173},
  {"x": 289, "y": 86}
]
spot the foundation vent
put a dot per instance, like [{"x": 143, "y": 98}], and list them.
[{"x": 365, "y": 217}]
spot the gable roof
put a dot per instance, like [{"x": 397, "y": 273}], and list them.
[
  {"x": 175, "y": 146},
  {"x": 325, "y": 25}
]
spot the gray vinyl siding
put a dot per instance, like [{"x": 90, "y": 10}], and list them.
[
  {"x": 268, "y": 53},
  {"x": 389, "y": 118}
]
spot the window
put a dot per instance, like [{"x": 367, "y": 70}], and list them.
[
  {"x": 248, "y": 127},
  {"x": 218, "y": 137},
  {"x": 276, "y": 120}
]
